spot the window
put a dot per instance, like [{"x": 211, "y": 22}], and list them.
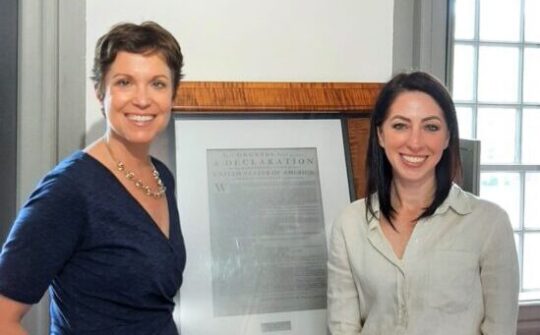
[{"x": 494, "y": 72}]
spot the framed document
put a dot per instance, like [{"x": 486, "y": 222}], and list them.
[{"x": 257, "y": 195}]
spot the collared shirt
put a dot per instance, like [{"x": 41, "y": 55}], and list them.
[{"x": 458, "y": 275}]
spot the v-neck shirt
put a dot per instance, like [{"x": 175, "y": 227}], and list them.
[
  {"x": 458, "y": 274},
  {"x": 110, "y": 268}
]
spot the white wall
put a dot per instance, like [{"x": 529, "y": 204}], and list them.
[{"x": 253, "y": 40}]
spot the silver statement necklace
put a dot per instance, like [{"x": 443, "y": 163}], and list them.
[{"x": 130, "y": 175}]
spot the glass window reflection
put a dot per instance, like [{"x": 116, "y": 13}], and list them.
[
  {"x": 531, "y": 261},
  {"x": 498, "y": 74},
  {"x": 531, "y": 75},
  {"x": 532, "y": 194},
  {"x": 465, "y": 122},
  {"x": 530, "y": 152},
  {"x": 532, "y": 23},
  {"x": 463, "y": 74},
  {"x": 465, "y": 16},
  {"x": 503, "y": 188},
  {"x": 496, "y": 130},
  {"x": 499, "y": 20}
]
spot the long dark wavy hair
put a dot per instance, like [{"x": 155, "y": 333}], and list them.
[{"x": 378, "y": 169}]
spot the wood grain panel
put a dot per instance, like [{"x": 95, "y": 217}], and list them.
[
  {"x": 352, "y": 102},
  {"x": 358, "y": 138},
  {"x": 220, "y": 97}
]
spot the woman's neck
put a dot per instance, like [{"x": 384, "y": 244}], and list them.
[
  {"x": 411, "y": 198},
  {"x": 135, "y": 156}
]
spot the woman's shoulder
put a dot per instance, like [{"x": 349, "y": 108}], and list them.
[
  {"x": 77, "y": 165},
  {"x": 355, "y": 207},
  {"x": 77, "y": 170},
  {"x": 474, "y": 202},
  {"x": 69, "y": 166},
  {"x": 482, "y": 210},
  {"x": 352, "y": 213},
  {"x": 64, "y": 181}
]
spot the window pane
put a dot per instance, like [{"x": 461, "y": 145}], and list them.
[
  {"x": 499, "y": 20},
  {"x": 497, "y": 83},
  {"x": 531, "y": 78},
  {"x": 465, "y": 13},
  {"x": 530, "y": 153},
  {"x": 531, "y": 261},
  {"x": 464, "y": 116},
  {"x": 503, "y": 188},
  {"x": 463, "y": 73},
  {"x": 532, "y": 194},
  {"x": 532, "y": 23},
  {"x": 496, "y": 131}
]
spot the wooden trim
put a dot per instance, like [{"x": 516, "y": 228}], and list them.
[
  {"x": 358, "y": 130},
  {"x": 219, "y": 97},
  {"x": 352, "y": 102},
  {"x": 529, "y": 320}
]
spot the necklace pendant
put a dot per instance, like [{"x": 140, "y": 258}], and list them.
[
  {"x": 147, "y": 190},
  {"x": 130, "y": 175}
]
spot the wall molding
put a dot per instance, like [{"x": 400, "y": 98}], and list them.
[
  {"x": 529, "y": 319},
  {"x": 219, "y": 97}
]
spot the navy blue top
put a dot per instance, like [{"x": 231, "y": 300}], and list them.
[{"x": 109, "y": 268}]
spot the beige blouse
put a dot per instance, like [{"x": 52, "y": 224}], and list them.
[{"x": 458, "y": 275}]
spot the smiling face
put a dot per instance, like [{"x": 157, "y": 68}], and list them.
[
  {"x": 414, "y": 136},
  {"x": 138, "y": 97}
]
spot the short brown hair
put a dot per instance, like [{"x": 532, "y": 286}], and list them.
[{"x": 146, "y": 38}]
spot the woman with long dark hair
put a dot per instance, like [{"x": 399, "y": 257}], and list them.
[{"x": 419, "y": 255}]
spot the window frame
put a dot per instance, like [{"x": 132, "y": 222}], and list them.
[{"x": 529, "y": 314}]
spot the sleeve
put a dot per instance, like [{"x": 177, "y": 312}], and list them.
[
  {"x": 42, "y": 239},
  {"x": 499, "y": 274},
  {"x": 343, "y": 306}
]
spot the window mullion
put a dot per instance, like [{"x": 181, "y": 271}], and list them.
[
  {"x": 519, "y": 116},
  {"x": 476, "y": 69},
  {"x": 519, "y": 140}
]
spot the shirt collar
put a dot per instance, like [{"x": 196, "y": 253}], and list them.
[
  {"x": 373, "y": 220},
  {"x": 457, "y": 199}
]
